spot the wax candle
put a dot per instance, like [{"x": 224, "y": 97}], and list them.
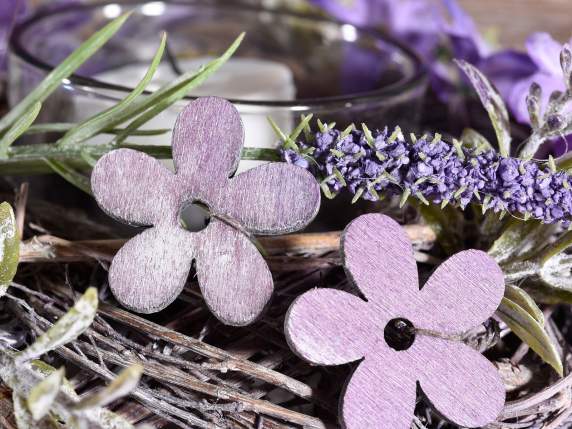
[{"x": 239, "y": 78}]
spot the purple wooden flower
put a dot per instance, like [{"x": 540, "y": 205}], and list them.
[
  {"x": 151, "y": 269},
  {"x": 404, "y": 335}
]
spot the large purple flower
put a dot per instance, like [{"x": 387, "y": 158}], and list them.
[
  {"x": 151, "y": 270},
  {"x": 404, "y": 335}
]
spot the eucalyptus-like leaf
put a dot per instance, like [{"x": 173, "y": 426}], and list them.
[
  {"x": 529, "y": 330},
  {"x": 19, "y": 128},
  {"x": 70, "y": 326},
  {"x": 173, "y": 92},
  {"x": 53, "y": 80},
  {"x": 561, "y": 244},
  {"x": 43, "y": 394},
  {"x": 68, "y": 173},
  {"x": 9, "y": 246},
  {"x": 99, "y": 122},
  {"x": 492, "y": 102},
  {"x": 121, "y": 386}
]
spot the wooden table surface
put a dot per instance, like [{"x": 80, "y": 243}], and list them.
[{"x": 513, "y": 20}]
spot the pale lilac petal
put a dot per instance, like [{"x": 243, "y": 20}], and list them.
[
  {"x": 545, "y": 52},
  {"x": 459, "y": 382},
  {"x": 207, "y": 141},
  {"x": 275, "y": 198},
  {"x": 380, "y": 394},
  {"x": 331, "y": 327},
  {"x": 379, "y": 258},
  {"x": 462, "y": 293},
  {"x": 233, "y": 276},
  {"x": 151, "y": 269},
  {"x": 135, "y": 188}
]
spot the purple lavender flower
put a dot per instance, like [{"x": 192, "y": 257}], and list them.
[
  {"x": 372, "y": 164},
  {"x": 10, "y": 11}
]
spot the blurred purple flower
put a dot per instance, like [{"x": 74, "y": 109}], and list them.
[{"x": 10, "y": 11}]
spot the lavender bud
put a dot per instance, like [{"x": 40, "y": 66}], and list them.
[
  {"x": 535, "y": 91},
  {"x": 566, "y": 60},
  {"x": 556, "y": 122},
  {"x": 437, "y": 172}
]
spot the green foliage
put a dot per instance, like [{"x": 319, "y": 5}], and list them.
[{"x": 9, "y": 246}]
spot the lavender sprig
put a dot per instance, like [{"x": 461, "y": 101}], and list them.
[{"x": 374, "y": 164}]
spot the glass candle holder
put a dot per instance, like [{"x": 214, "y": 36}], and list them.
[{"x": 290, "y": 63}]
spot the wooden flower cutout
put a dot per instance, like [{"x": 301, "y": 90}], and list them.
[
  {"x": 404, "y": 335},
  {"x": 151, "y": 269}
]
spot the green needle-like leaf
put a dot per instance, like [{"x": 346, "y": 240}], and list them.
[
  {"x": 68, "y": 173},
  {"x": 9, "y": 247},
  {"x": 63, "y": 71},
  {"x": 44, "y": 393},
  {"x": 101, "y": 121},
  {"x": 171, "y": 93},
  {"x": 19, "y": 128},
  {"x": 529, "y": 330}
]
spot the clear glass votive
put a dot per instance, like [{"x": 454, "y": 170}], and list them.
[{"x": 290, "y": 63}]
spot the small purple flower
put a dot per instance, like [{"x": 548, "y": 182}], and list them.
[
  {"x": 151, "y": 270},
  {"x": 402, "y": 336},
  {"x": 435, "y": 171}
]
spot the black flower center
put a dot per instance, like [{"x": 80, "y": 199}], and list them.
[
  {"x": 399, "y": 334},
  {"x": 194, "y": 216}
]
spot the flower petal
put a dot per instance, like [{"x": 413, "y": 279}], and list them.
[
  {"x": 460, "y": 383},
  {"x": 380, "y": 393},
  {"x": 234, "y": 278},
  {"x": 330, "y": 327},
  {"x": 545, "y": 52},
  {"x": 378, "y": 256},
  {"x": 151, "y": 269},
  {"x": 275, "y": 198},
  {"x": 207, "y": 140},
  {"x": 463, "y": 292},
  {"x": 134, "y": 188}
]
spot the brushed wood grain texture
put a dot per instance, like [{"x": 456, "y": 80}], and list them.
[
  {"x": 150, "y": 270},
  {"x": 332, "y": 327}
]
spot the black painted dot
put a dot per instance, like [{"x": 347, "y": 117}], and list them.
[
  {"x": 194, "y": 216},
  {"x": 399, "y": 334}
]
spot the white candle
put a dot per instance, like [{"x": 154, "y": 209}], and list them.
[{"x": 239, "y": 78}]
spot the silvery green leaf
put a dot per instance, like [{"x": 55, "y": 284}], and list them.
[
  {"x": 44, "y": 393},
  {"x": 493, "y": 104},
  {"x": 53, "y": 80},
  {"x": 122, "y": 385},
  {"x": 70, "y": 326},
  {"x": 531, "y": 332},
  {"x": 24, "y": 419},
  {"x": 510, "y": 240},
  {"x": 9, "y": 246},
  {"x": 19, "y": 127}
]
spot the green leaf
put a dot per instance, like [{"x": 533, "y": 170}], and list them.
[
  {"x": 64, "y": 127},
  {"x": 493, "y": 104},
  {"x": 122, "y": 385},
  {"x": 505, "y": 247},
  {"x": 446, "y": 222},
  {"x": 171, "y": 93},
  {"x": 9, "y": 246},
  {"x": 24, "y": 419},
  {"x": 53, "y": 80},
  {"x": 77, "y": 179},
  {"x": 44, "y": 393},
  {"x": 525, "y": 301},
  {"x": 529, "y": 330},
  {"x": 19, "y": 128},
  {"x": 70, "y": 326},
  {"x": 101, "y": 121},
  {"x": 474, "y": 139}
]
